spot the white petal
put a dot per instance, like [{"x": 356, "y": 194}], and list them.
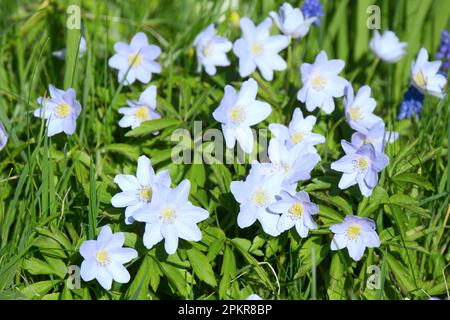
[
  {"x": 339, "y": 242},
  {"x": 188, "y": 231},
  {"x": 170, "y": 238},
  {"x": 145, "y": 173},
  {"x": 126, "y": 182},
  {"x": 152, "y": 235},
  {"x": 119, "y": 272},
  {"x": 88, "y": 248},
  {"x": 123, "y": 255},
  {"x": 88, "y": 269},
  {"x": 246, "y": 216},
  {"x": 125, "y": 199},
  {"x": 105, "y": 278}
]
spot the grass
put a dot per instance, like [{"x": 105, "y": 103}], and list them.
[{"x": 55, "y": 192}]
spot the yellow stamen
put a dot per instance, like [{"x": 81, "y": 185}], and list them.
[
  {"x": 297, "y": 137},
  {"x": 318, "y": 82},
  {"x": 237, "y": 114},
  {"x": 134, "y": 60},
  {"x": 168, "y": 215},
  {"x": 296, "y": 210},
  {"x": 353, "y": 231},
  {"x": 256, "y": 49},
  {"x": 103, "y": 258},
  {"x": 62, "y": 110},
  {"x": 362, "y": 163},
  {"x": 207, "y": 50},
  {"x": 260, "y": 198},
  {"x": 142, "y": 114},
  {"x": 355, "y": 113},
  {"x": 234, "y": 19},
  {"x": 146, "y": 194},
  {"x": 420, "y": 79}
]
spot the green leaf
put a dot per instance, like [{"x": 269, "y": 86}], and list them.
[
  {"x": 128, "y": 150},
  {"x": 401, "y": 274},
  {"x": 151, "y": 126},
  {"x": 336, "y": 290},
  {"x": 139, "y": 287},
  {"x": 228, "y": 272},
  {"x": 39, "y": 289},
  {"x": 409, "y": 203},
  {"x": 201, "y": 266},
  {"x": 414, "y": 178}
]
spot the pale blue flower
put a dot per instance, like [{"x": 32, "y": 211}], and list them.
[
  {"x": 61, "y": 54},
  {"x": 377, "y": 136},
  {"x": 142, "y": 110},
  {"x": 425, "y": 76},
  {"x": 355, "y": 233},
  {"x": 136, "y": 58},
  {"x": 298, "y": 132},
  {"x": 360, "y": 166},
  {"x": 257, "y": 48},
  {"x": 387, "y": 46},
  {"x": 238, "y": 111},
  {"x": 294, "y": 164},
  {"x": 296, "y": 210},
  {"x": 253, "y": 296},
  {"x": 61, "y": 111},
  {"x": 321, "y": 83},
  {"x": 291, "y": 21},
  {"x": 104, "y": 258},
  {"x": 212, "y": 50},
  {"x": 359, "y": 110},
  {"x": 3, "y": 136},
  {"x": 169, "y": 216},
  {"x": 254, "y": 195},
  {"x": 140, "y": 189}
]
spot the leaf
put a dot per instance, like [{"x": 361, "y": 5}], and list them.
[
  {"x": 409, "y": 203},
  {"x": 228, "y": 272},
  {"x": 151, "y": 126},
  {"x": 243, "y": 246},
  {"x": 128, "y": 150},
  {"x": 139, "y": 287},
  {"x": 401, "y": 273},
  {"x": 177, "y": 277},
  {"x": 320, "y": 252},
  {"x": 201, "y": 266},
  {"x": 336, "y": 290},
  {"x": 414, "y": 178},
  {"x": 39, "y": 289}
]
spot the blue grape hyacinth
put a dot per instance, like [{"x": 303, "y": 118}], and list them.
[
  {"x": 411, "y": 104},
  {"x": 444, "y": 51},
  {"x": 312, "y": 8}
]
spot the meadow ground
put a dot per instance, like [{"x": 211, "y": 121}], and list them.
[{"x": 55, "y": 192}]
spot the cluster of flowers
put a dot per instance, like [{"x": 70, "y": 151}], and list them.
[{"x": 269, "y": 193}]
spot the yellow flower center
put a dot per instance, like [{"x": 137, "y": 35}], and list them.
[
  {"x": 103, "y": 258},
  {"x": 62, "y": 110},
  {"x": 168, "y": 215},
  {"x": 134, "y": 60},
  {"x": 296, "y": 210},
  {"x": 261, "y": 198},
  {"x": 361, "y": 163},
  {"x": 146, "y": 194},
  {"x": 207, "y": 50},
  {"x": 237, "y": 114},
  {"x": 318, "y": 82},
  {"x": 355, "y": 113},
  {"x": 297, "y": 137},
  {"x": 142, "y": 114},
  {"x": 353, "y": 231},
  {"x": 420, "y": 79},
  {"x": 256, "y": 49}
]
